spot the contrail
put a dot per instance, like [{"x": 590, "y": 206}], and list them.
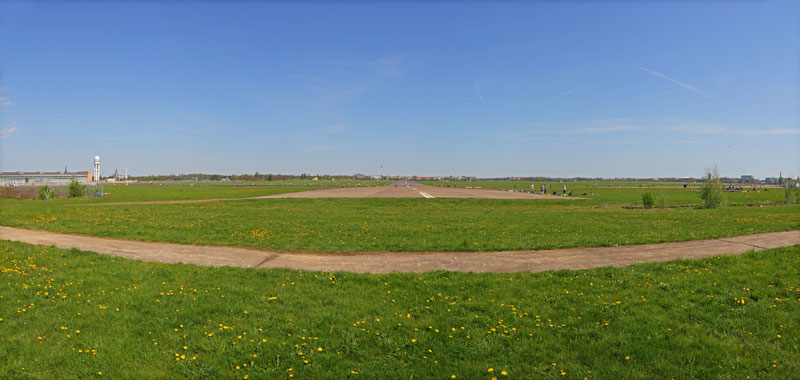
[
  {"x": 679, "y": 83},
  {"x": 478, "y": 91}
]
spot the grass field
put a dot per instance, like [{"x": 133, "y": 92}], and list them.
[
  {"x": 303, "y": 183},
  {"x": 627, "y": 193},
  {"x": 147, "y": 194},
  {"x": 72, "y": 314},
  {"x": 363, "y": 225}
]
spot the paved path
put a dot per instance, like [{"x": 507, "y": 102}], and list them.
[
  {"x": 389, "y": 191},
  {"x": 510, "y": 261},
  {"x": 412, "y": 190}
]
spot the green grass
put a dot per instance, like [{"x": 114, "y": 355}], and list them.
[
  {"x": 157, "y": 194},
  {"x": 629, "y": 194},
  {"x": 303, "y": 183},
  {"x": 364, "y": 225},
  {"x": 72, "y": 314}
]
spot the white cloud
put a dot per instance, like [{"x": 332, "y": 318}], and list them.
[
  {"x": 713, "y": 129},
  {"x": 609, "y": 129},
  {"x": 393, "y": 66},
  {"x": 480, "y": 97},
  {"x": 608, "y": 126},
  {"x": 7, "y": 132},
  {"x": 679, "y": 83},
  {"x": 316, "y": 148},
  {"x": 336, "y": 128},
  {"x": 3, "y": 99}
]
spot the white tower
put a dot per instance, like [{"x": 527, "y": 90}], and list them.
[{"x": 97, "y": 168}]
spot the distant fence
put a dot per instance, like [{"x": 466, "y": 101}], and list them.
[
  {"x": 32, "y": 192},
  {"x": 19, "y": 193}
]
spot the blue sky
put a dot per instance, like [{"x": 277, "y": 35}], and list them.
[{"x": 600, "y": 89}]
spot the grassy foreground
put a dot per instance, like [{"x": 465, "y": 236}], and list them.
[
  {"x": 364, "y": 225},
  {"x": 72, "y": 314}
]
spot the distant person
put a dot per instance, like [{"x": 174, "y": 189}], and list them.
[
  {"x": 570, "y": 193},
  {"x": 532, "y": 187},
  {"x": 544, "y": 190},
  {"x": 685, "y": 185},
  {"x": 565, "y": 189}
]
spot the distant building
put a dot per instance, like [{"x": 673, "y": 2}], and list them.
[
  {"x": 770, "y": 180},
  {"x": 43, "y": 178},
  {"x": 747, "y": 177}
]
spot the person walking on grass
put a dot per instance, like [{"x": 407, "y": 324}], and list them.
[
  {"x": 565, "y": 189},
  {"x": 532, "y": 187}
]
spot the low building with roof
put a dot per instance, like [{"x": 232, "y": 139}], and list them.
[{"x": 43, "y": 178}]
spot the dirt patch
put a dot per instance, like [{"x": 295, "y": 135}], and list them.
[{"x": 508, "y": 261}]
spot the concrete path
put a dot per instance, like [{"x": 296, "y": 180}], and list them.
[
  {"x": 509, "y": 261},
  {"x": 389, "y": 191},
  {"x": 413, "y": 190}
]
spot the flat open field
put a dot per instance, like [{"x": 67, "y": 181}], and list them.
[
  {"x": 72, "y": 314},
  {"x": 414, "y": 191},
  {"x": 331, "y": 225}
]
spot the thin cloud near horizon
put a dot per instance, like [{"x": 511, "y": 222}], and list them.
[
  {"x": 480, "y": 97},
  {"x": 679, "y": 83}
]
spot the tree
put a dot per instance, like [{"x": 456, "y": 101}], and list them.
[
  {"x": 76, "y": 189},
  {"x": 46, "y": 193},
  {"x": 791, "y": 192},
  {"x": 712, "y": 193},
  {"x": 648, "y": 200}
]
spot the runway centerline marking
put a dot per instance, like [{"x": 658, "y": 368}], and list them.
[{"x": 426, "y": 195}]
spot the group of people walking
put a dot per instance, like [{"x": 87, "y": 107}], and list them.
[{"x": 543, "y": 190}]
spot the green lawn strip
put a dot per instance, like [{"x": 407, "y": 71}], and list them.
[
  {"x": 146, "y": 194},
  {"x": 300, "y": 183},
  {"x": 630, "y": 194},
  {"x": 372, "y": 225},
  {"x": 72, "y": 314}
]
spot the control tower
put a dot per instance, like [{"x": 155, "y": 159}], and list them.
[{"x": 97, "y": 168}]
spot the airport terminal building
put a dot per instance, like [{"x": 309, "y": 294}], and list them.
[{"x": 43, "y": 178}]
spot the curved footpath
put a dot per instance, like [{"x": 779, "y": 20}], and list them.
[{"x": 508, "y": 261}]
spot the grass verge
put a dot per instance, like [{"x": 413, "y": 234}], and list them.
[
  {"x": 73, "y": 314},
  {"x": 373, "y": 225}
]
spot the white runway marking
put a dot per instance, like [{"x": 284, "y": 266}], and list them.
[{"x": 426, "y": 195}]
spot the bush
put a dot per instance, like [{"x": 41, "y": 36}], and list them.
[
  {"x": 46, "y": 193},
  {"x": 648, "y": 200},
  {"x": 662, "y": 200},
  {"x": 791, "y": 193},
  {"x": 76, "y": 189},
  {"x": 712, "y": 193}
]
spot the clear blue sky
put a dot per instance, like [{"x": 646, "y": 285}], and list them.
[{"x": 480, "y": 88}]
